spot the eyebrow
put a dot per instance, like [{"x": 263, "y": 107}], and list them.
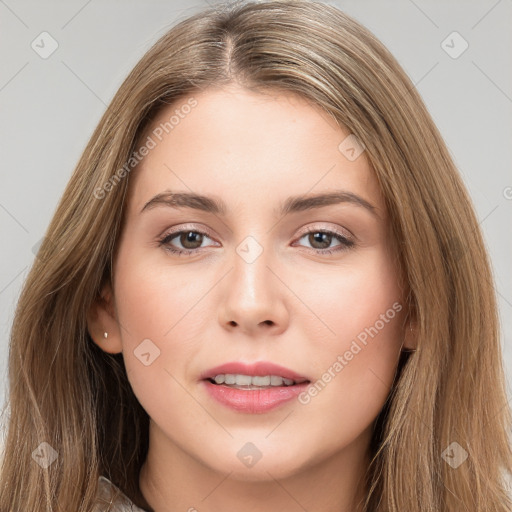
[{"x": 291, "y": 205}]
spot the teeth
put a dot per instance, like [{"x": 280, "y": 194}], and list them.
[
  {"x": 248, "y": 380},
  {"x": 219, "y": 379},
  {"x": 276, "y": 381},
  {"x": 243, "y": 380},
  {"x": 229, "y": 379},
  {"x": 260, "y": 381}
]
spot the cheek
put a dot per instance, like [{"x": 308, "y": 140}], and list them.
[
  {"x": 155, "y": 301},
  {"x": 355, "y": 362},
  {"x": 357, "y": 333},
  {"x": 161, "y": 312},
  {"x": 345, "y": 302}
]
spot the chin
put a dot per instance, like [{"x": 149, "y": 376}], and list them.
[{"x": 272, "y": 465}]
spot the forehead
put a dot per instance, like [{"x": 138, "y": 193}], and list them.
[{"x": 246, "y": 146}]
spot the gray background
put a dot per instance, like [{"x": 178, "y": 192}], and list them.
[{"x": 49, "y": 108}]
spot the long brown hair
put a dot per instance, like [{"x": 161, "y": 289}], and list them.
[{"x": 449, "y": 396}]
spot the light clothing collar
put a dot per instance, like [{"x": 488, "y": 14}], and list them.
[{"x": 110, "y": 496}]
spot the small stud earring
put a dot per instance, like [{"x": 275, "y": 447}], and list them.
[{"x": 105, "y": 335}]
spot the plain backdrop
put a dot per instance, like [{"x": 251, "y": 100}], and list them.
[{"x": 458, "y": 54}]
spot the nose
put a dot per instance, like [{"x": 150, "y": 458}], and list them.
[{"x": 253, "y": 297}]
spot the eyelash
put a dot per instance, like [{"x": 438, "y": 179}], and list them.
[{"x": 165, "y": 241}]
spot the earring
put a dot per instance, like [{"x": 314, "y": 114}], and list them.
[{"x": 105, "y": 335}]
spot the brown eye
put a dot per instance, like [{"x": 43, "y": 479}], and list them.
[
  {"x": 322, "y": 239},
  {"x": 191, "y": 239},
  {"x": 184, "y": 242}
]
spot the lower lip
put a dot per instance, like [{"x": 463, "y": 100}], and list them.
[{"x": 254, "y": 401}]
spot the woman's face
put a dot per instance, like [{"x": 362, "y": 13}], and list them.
[{"x": 256, "y": 283}]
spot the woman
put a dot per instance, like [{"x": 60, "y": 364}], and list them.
[{"x": 265, "y": 286}]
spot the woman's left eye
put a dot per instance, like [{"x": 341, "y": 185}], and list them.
[
  {"x": 324, "y": 238},
  {"x": 191, "y": 241}
]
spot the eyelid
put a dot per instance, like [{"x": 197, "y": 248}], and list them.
[
  {"x": 343, "y": 232},
  {"x": 187, "y": 227}
]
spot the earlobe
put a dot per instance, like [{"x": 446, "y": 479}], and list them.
[{"x": 102, "y": 323}]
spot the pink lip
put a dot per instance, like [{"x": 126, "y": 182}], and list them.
[{"x": 254, "y": 401}]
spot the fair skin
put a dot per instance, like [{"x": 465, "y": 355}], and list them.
[{"x": 291, "y": 306}]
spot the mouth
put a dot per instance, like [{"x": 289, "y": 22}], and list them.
[
  {"x": 253, "y": 388},
  {"x": 241, "y": 381},
  {"x": 261, "y": 374}
]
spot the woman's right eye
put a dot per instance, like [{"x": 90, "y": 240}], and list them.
[{"x": 185, "y": 238}]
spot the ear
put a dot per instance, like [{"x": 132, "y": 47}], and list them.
[{"x": 101, "y": 319}]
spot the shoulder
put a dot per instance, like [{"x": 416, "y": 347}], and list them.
[{"x": 110, "y": 498}]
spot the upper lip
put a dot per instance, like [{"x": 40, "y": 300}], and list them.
[{"x": 259, "y": 368}]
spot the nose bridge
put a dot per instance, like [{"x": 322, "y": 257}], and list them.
[
  {"x": 251, "y": 273},
  {"x": 253, "y": 295}
]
